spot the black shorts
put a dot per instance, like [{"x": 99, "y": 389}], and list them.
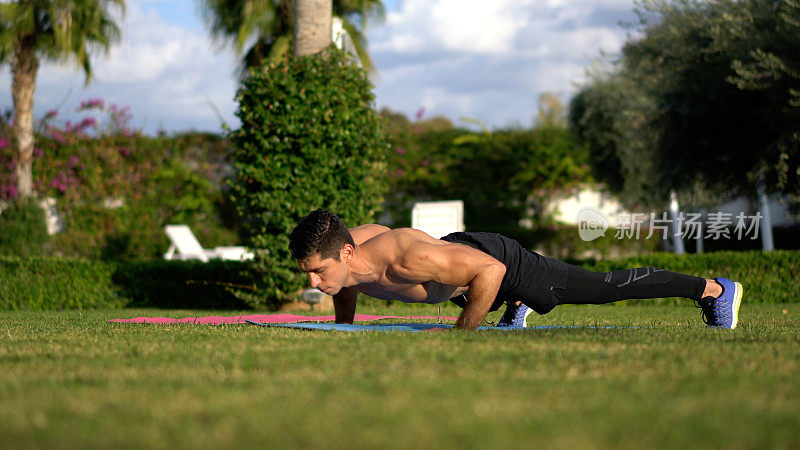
[{"x": 530, "y": 277}]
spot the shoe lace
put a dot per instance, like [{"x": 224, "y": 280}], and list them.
[
  {"x": 706, "y": 305},
  {"x": 519, "y": 314}
]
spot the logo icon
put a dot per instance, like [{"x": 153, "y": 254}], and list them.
[{"x": 591, "y": 224}]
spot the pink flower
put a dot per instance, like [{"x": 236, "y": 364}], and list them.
[
  {"x": 124, "y": 152},
  {"x": 74, "y": 160},
  {"x": 420, "y": 113},
  {"x": 10, "y": 191},
  {"x": 92, "y": 103},
  {"x": 87, "y": 122},
  {"x": 400, "y": 172},
  {"x": 50, "y": 114},
  {"x": 400, "y": 151},
  {"x": 58, "y": 183},
  {"x": 57, "y": 136},
  {"x": 4, "y": 142},
  {"x": 425, "y": 162},
  {"x": 37, "y": 151}
]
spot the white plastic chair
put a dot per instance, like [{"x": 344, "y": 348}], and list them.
[{"x": 185, "y": 246}]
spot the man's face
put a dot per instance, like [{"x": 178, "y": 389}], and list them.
[{"x": 328, "y": 275}]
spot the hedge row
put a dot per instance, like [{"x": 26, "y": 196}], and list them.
[{"x": 54, "y": 283}]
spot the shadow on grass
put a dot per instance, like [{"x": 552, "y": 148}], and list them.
[{"x": 166, "y": 284}]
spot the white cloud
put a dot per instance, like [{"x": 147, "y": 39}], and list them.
[
  {"x": 457, "y": 25},
  {"x": 490, "y": 60},
  {"x": 462, "y": 25}
]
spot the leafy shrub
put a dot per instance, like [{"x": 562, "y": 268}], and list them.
[
  {"x": 56, "y": 283},
  {"x": 309, "y": 138},
  {"x": 23, "y": 228}
]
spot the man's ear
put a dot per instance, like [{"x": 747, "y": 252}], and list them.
[{"x": 346, "y": 253}]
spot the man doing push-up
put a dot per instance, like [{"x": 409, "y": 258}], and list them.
[{"x": 479, "y": 272}]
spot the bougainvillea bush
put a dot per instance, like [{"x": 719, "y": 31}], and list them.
[{"x": 115, "y": 188}]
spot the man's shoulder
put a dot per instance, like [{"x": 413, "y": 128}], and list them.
[
  {"x": 363, "y": 233},
  {"x": 370, "y": 227},
  {"x": 397, "y": 237},
  {"x": 410, "y": 234}
]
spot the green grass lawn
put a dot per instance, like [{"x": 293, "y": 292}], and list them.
[{"x": 71, "y": 379}]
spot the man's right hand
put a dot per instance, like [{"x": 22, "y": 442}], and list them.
[{"x": 344, "y": 302}]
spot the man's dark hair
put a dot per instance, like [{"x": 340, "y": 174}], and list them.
[{"x": 321, "y": 232}]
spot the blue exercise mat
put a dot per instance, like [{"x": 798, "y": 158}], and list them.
[{"x": 413, "y": 327}]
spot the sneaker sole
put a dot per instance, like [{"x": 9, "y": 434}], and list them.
[
  {"x": 525, "y": 319},
  {"x": 737, "y": 302}
]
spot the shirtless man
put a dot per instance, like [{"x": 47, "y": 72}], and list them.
[{"x": 480, "y": 272}]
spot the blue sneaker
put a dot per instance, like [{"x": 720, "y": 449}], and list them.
[
  {"x": 515, "y": 315},
  {"x": 723, "y": 311},
  {"x": 726, "y": 306}
]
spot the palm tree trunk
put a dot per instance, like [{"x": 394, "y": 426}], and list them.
[
  {"x": 312, "y": 26},
  {"x": 24, "y": 67}
]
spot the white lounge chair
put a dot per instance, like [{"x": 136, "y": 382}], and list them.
[
  {"x": 438, "y": 218},
  {"x": 185, "y": 246}
]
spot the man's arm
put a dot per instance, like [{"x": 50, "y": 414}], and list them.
[
  {"x": 457, "y": 265},
  {"x": 482, "y": 293},
  {"x": 344, "y": 303}
]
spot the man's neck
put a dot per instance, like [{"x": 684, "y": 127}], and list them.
[{"x": 362, "y": 269}]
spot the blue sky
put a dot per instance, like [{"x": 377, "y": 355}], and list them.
[
  {"x": 457, "y": 58},
  {"x": 178, "y": 12}
]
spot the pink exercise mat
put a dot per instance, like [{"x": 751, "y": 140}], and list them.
[{"x": 266, "y": 318}]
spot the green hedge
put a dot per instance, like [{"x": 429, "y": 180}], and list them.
[{"x": 54, "y": 283}]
